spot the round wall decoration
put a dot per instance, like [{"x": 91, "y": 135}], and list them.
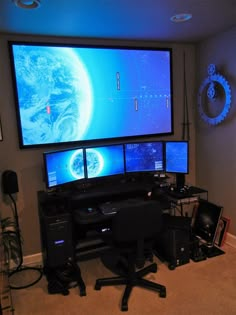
[{"x": 210, "y": 90}]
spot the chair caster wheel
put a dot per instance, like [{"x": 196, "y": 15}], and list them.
[
  {"x": 163, "y": 292},
  {"x": 124, "y": 308},
  {"x": 97, "y": 287},
  {"x": 171, "y": 267}
]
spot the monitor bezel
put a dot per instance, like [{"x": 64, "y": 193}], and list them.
[
  {"x": 108, "y": 176},
  {"x": 177, "y": 172},
  {"x": 196, "y": 230},
  {"x": 145, "y": 171},
  {"x": 99, "y": 45},
  {"x": 61, "y": 185}
]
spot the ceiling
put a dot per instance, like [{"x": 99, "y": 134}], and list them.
[{"x": 123, "y": 19}]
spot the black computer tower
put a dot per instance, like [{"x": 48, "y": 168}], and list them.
[
  {"x": 173, "y": 243},
  {"x": 56, "y": 233}
]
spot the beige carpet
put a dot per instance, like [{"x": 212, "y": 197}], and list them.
[{"x": 206, "y": 287}]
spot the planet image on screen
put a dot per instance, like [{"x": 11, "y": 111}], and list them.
[
  {"x": 95, "y": 162},
  {"x": 55, "y": 94},
  {"x": 77, "y": 164}
]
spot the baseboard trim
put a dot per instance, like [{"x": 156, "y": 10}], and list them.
[
  {"x": 37, "y": 259},
  {"x": 230, "y": 240},
  {"x": 33, "y": 260}
]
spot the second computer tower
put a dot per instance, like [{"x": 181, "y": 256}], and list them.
[{"x": 173, "y": 243}]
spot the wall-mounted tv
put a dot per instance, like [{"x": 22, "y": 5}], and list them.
[
  {"x": 63, "y": 167},
  {"x": 104, "y": 161},
  {"x": 72, "y": 93},
  {"x": 144, "y": 156}
]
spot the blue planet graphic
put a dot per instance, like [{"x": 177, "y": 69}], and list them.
[
  {"x": 95, "y": 162},
  {"x": 76, "y": 164},
  {"x": 55, "y": 94}
]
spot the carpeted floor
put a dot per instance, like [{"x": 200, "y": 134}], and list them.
[{"x": 206, "y": 287}]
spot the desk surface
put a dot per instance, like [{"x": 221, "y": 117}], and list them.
[{"x": 85, "y": 204}]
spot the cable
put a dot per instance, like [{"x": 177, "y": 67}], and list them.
[{"x": 21, "y": 268}]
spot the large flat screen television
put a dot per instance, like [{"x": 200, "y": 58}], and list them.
[
  {"x": 103, "y": 161},
  {"x": 144, "y": 157},
  {"x": 63, "y": 167},
  {"x": 72, "y": 93}
]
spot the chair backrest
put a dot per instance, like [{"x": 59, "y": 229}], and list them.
[{"x": 139, "y": 221}]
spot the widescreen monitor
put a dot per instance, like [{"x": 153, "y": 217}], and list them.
[
  {"x": 75, "y": 93},
  {"x": 144, "y": 157},
  {"x": 206, "y": 221},
  {"x": 103, "y": 161},
  {"x": 177, "y": 157},
  {"x": 63, "y": 167}
]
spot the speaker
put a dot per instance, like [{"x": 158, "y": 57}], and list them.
[
  {"x": 180, "y": 181},
  {"x": 173, "y": 244},
  {"x": 9, "y": 182}
]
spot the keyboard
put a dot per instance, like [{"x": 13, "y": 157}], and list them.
[{"x": 112, "y": 207}]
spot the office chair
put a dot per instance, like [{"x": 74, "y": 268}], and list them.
[{"x": 134, "y": 230}]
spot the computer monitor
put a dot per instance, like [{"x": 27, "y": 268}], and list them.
[
  {"x": 63, "y": 167},
  {"x": 206, "y": 221},
  {"x": 144, "y": 156},
  {"x": 102, "y": 161},
  {"x": 177, "y": 160}
]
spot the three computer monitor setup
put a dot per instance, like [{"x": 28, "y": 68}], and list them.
[{"x": 76, "y": 165}]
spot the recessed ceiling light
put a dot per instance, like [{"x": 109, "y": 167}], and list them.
[
  {"x": 27, "y": 4},
  {"x": 181, "y": 17}
]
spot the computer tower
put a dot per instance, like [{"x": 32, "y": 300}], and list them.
[
  {"x": 57, "y": 240},
  {"x": 173, "y": 243}
]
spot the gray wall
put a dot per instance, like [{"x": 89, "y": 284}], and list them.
[
  {"x": 28, "y": 163},
  {"x": 216, "y": 145}
]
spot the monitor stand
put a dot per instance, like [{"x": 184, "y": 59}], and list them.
[
  {"x": 180, "y": 181},
  {"x": 201, "y": 251},
  {"x": 196, "y": 252},
  {"x": 212, "y": 250}
]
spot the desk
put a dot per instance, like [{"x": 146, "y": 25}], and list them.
[
  {"x": 87, "y": 226},
  {"x": 178, "y": 200}
]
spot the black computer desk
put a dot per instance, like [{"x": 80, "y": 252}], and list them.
[
  {"x": 83, "y": 206},
  {"x": 89, "y": 222}
]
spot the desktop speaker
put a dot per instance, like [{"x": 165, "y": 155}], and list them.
[
  {"x": 9, "y": 182},
  {"x": 173, "y": 244},
  {"x": 180, "y": 181},
  {"x": 56, "y": 237}
]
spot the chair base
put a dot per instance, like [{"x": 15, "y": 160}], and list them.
[{"x": 132, "y": 280}]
